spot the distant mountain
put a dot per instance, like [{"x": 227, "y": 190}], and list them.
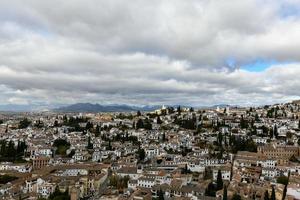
[
  {"x": 89, "y": 107},
  {"x": 25, "y": 108},
  {"x": 16, "y": 108},
  {"x": 224, "y": 106}
]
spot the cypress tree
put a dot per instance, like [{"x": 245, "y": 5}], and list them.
[
  {"x": 275, "y": 131},
  {"x": 158, "y": 120},
  {"x": 273, "y": 196},
  {"x": 3, "y": 148},
  {"x": 266, "y": 196},
  {"x": 285, "y": 188},
  {"x": 220, "y": 139},
  {"x": 160, "y": 195},
  {"x": 89, "y": 145},
  {"x": 284, "y": 192},
  {"x": 225, "y": 193},
  {"x": 219, "y": 180},
  {"x": 179, "y": 110}
]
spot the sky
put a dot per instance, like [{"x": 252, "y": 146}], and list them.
[{"x": 141, "y": 52}]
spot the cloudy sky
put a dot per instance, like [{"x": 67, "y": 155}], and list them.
[{"x": 191, "y": 52}]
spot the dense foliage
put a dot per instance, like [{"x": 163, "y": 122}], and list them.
[
  {"x": 283, "y": 180},
  {"x": 211, "y": 190},
  {"x": 74, "y": 122},
  {"x": 24, "y": 123},
  {"x": 236, "y": 197},
  {"x": 240, "y": 144},
  {"x": 58, "y": 195},
  {"x": 145, "y": 124},
  {"x": 10, "y": 153},
  {"x": 119, "y": 182},
  {"x": 186, "y": 123},
  {"x": 61, "y": 146},
  {"x": 6, "y": 178}
]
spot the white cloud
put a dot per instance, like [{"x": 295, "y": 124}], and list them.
[{"x": 148, "y": 52}]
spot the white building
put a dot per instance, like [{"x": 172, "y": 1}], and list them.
[
  {"x": 268, "y": 172},
  {"x": 97, "y": 156},
  {"x": 152, "y": 152},
  {"x": 75, "y": 172},
  {"x": 146, "y": 182}
]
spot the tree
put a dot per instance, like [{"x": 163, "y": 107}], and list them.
[
  {"x": 285, "y": 187},
  {"x": 266, "y": 196},
  {"x": 289, "y": 134},
  {"x": 141, "y": 154},
  {"x": 293, "y": 158},
  {"x": 97, "y": 131},
  {"x": 158, "y": 120},
  {"x": 284, "y": 192},
  {"x": 282, "y": 180},
  {"x": 89, "y": 145},
  {"x": 109, "y": 147},
  {"x": 219, "y": 180},
  {"x": 147, "y": 124},
  {"x": 208, "y": 174},
  {"x": 10, "y": 153},
  {"x": 275, "y": 130},
  {"x": 11, "y": 149},
  {"x": 244, "y": 123},
  {"x": 186, "y": 123},
  {"x": 89, "y": 126},
  {"x": 179, "y": 109},
  {"x": 61, "y": 145},
  {"x": 119, "y": 182},
  {"x": 273, "y": 196},
  {"x": 256, "y": 117},
  {"x": 225, "y": 193},
  {"x": 163, "y": 137},
  {"x": 55, "y": 123},
  {"x": 160, "y": 195},
  {"x": 113, "y": 180},
  {"x": 236, "y": 197},
  {"x": 240, "y": 144},
  {"x": 210, "y": 190},
  {"x": 139, "y": 124},
  {"x": 24, "y": 123},
  {"x": 7, "y": 178},
  {"x": 220, "y": 139},
  {"x": 58, "y": 195},
  {"x": 271, "y": 133},
  {"x": 39, "y": 124},
  {"x": 185, "y": 170}
]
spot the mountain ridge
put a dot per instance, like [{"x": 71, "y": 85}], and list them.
[{"x": 90, "y": 107}]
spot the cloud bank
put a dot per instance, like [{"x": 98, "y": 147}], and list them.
[{"x": 149, "y": 52}]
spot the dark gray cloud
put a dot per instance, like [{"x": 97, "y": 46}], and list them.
[{"x": 148, "y": 52}]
